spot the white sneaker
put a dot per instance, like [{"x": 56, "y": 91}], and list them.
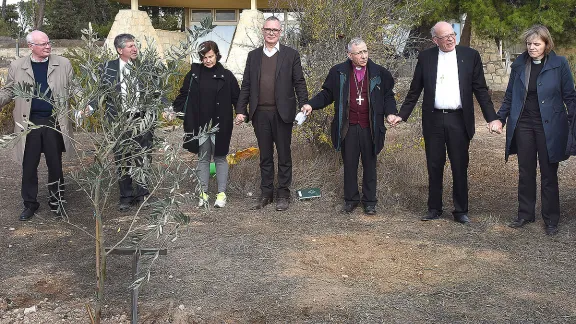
[
  {"x": 220, "y": 200},
  {"x": 202, "y": 199}
]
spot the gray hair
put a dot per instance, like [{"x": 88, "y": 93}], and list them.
[
  {"x": 354, "y": 41},
  {"x": 121, "y": 40},
  {"x": 273, "y": 18},
  {"x": 29, "y": 38}
]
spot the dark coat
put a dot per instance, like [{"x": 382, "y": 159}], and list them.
[
  {"x": 188, "y": 102},
  {"x": 381, "y": 102},
  {"x": 555, "y": 93},
  {"x": 471, "y": 81},
  {"x": 289, "y": 84},
  {"x": 110, "y": 79}
]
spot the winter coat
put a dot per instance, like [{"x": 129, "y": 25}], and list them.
[
  {"x": 59, "y": 76},
  {"x": 556, "y": 95},
  {"x": 188, "y": 102},
  {"x": 381, "y": 102}
]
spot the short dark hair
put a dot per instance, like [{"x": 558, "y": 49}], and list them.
[
  {"x": 121, "y": 40},
  {"x": 208, "y": 46}
]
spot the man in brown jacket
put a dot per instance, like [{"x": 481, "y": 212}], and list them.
[{"x": 48, "y": 74}]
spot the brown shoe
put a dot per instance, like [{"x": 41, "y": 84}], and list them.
[
  {"x": 282, "y": 204},
  {"x": 261, "y": 202}
]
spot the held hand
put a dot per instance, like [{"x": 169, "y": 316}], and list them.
[
  {"x": 240, "y": 119},
  {"x": 495, "y": 126},
  {"x": 393, "y": 120},
  {"x": 307, "y": 109}
]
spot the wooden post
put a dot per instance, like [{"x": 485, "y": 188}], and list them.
[{"x": 135, "y": 253}]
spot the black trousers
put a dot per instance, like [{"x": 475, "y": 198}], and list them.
[
  {"x": 270, "y": 129},
  {"x": 531, "y": 142},
  {"x": 358, "y": 144},
  {"x": 125, "y": 158},
  {"x": 49, "y": 141},
  {"x": 447, "y": 132}
]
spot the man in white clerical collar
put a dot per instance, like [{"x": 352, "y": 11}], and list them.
[{"x": 449, "y": 75}]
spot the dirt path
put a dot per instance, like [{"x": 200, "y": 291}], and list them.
[{"x": 310, "y": 264}]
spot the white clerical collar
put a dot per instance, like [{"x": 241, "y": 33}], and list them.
[
  {"x": 452, "y": 52},
  {"x": 38, "y": 61},
  {"x": 273, "y": 50}
]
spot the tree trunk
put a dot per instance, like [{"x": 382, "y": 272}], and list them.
[
  {"x": 466, "y": 36},
  {"x": 4, "y": 10},
  {"x": 39, "y": 19}
]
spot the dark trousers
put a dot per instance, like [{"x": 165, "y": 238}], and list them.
[
  {"x": 132, "y": 155},
  {"x": 49, "y": 141},
  {"x": 530, "y": 141},
  {"x": 270, "y": 129},
  {"x": 447, "y": 132},
  {"x": 358, "y": 144}
]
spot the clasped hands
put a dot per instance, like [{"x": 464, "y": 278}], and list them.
[
  {"x": 393, "y": 120},
  {"x": 495, "y": 126}
]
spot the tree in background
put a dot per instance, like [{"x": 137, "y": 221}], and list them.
[
  {"x": 166, "y": 18},
  {"x": 504, "y": 20}
]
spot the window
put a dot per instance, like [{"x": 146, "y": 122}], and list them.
[
  {"x": 199, "y": 15},
  {"x": 225, "y": 15}
]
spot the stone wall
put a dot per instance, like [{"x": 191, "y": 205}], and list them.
[
  {"x": 169, "y": 38},
  {"x": 137, "y": 23},
  {"x": 495, "y": 69}
]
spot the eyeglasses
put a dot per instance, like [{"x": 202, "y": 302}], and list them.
[
  {"x": 453, "y": 35},
  {"x": 364, "y": 52},
  {"x": 271, "y": 30},
  {"x": 42, "y": 44}
]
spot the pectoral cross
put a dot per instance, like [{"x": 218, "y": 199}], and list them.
[{"x": 359, "y": 100}]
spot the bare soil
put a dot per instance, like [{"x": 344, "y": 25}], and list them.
[{"x": 310, "y": 264}]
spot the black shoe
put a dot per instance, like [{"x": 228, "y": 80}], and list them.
[
  {"x": 123, "y": 207},
  {"x": 431, "y": 215},
  {"x": 462, "y": 219},
  {"x": 282, "y": 204},
  {"x": 551, "y": 230},
  {"x": 349, "y": 207},
  {"x": 261, "y": 203},
  {"x": 27, "y": 214},
  {"x": 517, "y": 223},
  {"x": 370, "y": 210}
]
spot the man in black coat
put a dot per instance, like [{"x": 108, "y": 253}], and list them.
[
  {"x": 362, "y": 92},
  {"x": 272, "y": 80},
  {"x": 449, "y": 75},
  {"x": 127, "y": 103}
]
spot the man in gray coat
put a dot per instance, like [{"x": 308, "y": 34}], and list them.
[{"x": 47, "y": 74}]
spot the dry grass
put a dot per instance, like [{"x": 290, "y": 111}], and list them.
[{"x": 312, "y": 264}]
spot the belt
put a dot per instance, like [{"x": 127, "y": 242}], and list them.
[{"x": 448, "y": 111}]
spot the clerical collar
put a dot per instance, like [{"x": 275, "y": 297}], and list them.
[
  {"x": 38, "y": 61},
  {"x": 537, "y": 61}
]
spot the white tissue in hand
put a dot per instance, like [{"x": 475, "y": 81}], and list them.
[{"x": 300, "y": 118}]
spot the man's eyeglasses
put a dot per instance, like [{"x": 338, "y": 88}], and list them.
[
  {"x": 271, "y": 30},
  {"x": 364, "y": 52},
  {"x": 453, "y": 35},
  {"x": 42, "y": 44}
]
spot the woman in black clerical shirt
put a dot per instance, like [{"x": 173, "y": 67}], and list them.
[
  {"x": 207, "y": 97},
  {"x": 539, "y": 96}
]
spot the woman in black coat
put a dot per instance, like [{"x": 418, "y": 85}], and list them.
[
  {"x": 206, "y": 98},
  {"x": 539, "y": 95}
]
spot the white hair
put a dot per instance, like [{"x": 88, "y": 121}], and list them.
[
  {"x": 29, "y": 38},
  {"x": 354, "y": 41}
]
